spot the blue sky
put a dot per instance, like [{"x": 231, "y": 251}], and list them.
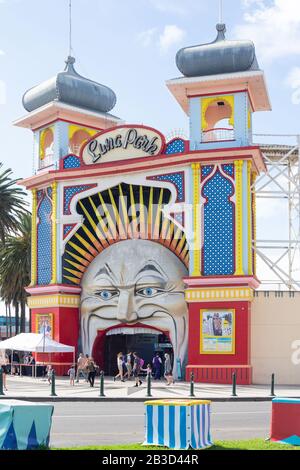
[{"x": 130, "y": 45}]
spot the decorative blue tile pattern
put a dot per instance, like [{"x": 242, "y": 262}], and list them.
[
  {"x": 71, "y": 161},
  {"x": 67, "y": 229},
  {"x": 218, "y": 253},
  {"x": 206, "y": 170},
  {"x": 70, "y": 192},
  {"x": 49, "y": 192},
  {"x": 228, "y": 169},
  {"x": 177, "y": 179},
  {"x": 179, "y": 218},
  {"x": 39, "y": 195},
  {"x": 175, "y": 146},
  {"x": 44, "y": 240}
]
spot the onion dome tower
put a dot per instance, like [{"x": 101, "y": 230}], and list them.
[
  {"x": 220, "y": 88},
  {"x": 64, "y": 111},
  {"x": 71, "y": 88},
  {"x": 219, "y": 56},
  {"x": 223, "y": 79}
]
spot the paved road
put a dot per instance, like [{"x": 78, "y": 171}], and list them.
[{"x": 79, "y": 423}]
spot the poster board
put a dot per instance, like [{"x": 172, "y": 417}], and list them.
[
  {"x": 44, "y": 324},
  {"x": 217, "y": 331}
]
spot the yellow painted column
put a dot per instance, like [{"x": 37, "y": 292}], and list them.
[
  {"x": 254, "y": 176},
  {"x": 238, "y": 164},
  {"x": 196, "y": 217},
  {"x": 54, "y": 233},
  {"x": 34, "y": 239},
  {"x": 249, "y": 204}
]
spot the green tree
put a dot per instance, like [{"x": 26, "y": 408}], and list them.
[
  {"x": 12, "y": 204},
  {"x": 12, "y": 208}
]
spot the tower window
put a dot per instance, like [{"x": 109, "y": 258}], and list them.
[{"x": 218, "y": 119}]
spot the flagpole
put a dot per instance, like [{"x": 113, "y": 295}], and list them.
[{"x": 220, "y": 11}]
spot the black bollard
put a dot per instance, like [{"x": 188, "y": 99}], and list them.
[
  {"x": 1, "y": 382},
  {"x": 149, "y": 385},
  {"x": 234, "y": 394},
  {"x": 101, "y": 384},
  {"x": 272, "y": 394},
  {"x": 192, "y": 394},
  {"x": 53, "y": 394}
]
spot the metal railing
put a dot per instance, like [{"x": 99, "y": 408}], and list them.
[{"x": 220, "y": 134}]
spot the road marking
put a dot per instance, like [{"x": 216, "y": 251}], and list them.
[
  {"x": 95, "y": 434},
  {"x": 216, "y": 413},
  {"x": 98, "y": 416},
  {"x": 142, "y": 415}
]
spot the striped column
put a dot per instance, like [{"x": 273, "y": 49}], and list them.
[
  {"x": 34, "y": 239},
  {"x": 238, "y": 164},
  {"x": 196, "y": 219},
  {"x": 54, "y": 233}
]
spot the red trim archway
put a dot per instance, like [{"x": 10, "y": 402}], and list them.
[{"x": 99, "y": 343}]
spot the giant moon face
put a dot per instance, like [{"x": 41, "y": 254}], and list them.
[{"x": 135, "y": 281}]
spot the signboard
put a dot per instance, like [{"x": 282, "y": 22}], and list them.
[
  {"x": 217, "y": 331},
  {"x": 44, "y": 324},
  {"x": 122, "y": 143}
]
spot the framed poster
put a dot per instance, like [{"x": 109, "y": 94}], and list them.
[
  {"x": 44, "y": 324},
  {"x": 217, "y": 331}
]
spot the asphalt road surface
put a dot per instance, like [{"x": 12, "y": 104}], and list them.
[{"x": 86, "y": 424}]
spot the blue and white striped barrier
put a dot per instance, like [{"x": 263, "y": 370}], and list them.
[{"x": 178, "y": 424}]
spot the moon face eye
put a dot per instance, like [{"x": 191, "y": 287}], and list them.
[
  {"x": 106, "y": 294},
  {"x": 148, "y": 292}
]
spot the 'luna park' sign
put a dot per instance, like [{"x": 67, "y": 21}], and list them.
[{"x": 122, "y": 143}]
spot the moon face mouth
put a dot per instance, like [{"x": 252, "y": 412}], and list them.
[{"x": 133, "y": 330}]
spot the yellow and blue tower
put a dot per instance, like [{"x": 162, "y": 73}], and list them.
[{"x": 221, "y": 87}]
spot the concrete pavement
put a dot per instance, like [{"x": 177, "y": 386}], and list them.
[{"x": 38, "y": 389}]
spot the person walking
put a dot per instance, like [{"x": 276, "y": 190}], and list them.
[
  {"x": 168, "y": 370},
  {"x": 120, "y": 367},
  {"x": 71, "y": 373},
  {"x": 128, "y": 366},
  {"x": 49, "y": 373},
  {"x": 157, "y": 364},
  {"x": 4, "y": 368},
  {"x": 136, "y": 369},
  {"x": 81, "y": 364},
  {"x": 91, "y": 367}
]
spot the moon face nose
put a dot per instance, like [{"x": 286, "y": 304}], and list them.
[{"x": 125, "y": 312}]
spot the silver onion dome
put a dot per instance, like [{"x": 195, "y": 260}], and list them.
[
  {"x": 219, "y": 56},
  {"x": 71, "y": 88}
]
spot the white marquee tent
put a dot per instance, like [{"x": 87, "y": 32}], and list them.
[{"x": 35, "y": 342}]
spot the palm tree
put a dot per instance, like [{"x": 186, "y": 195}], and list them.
[
  {"x": 12, "y": 204},
  {"x": 15, "y": 269}
]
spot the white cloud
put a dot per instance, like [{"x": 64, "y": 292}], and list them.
[
  {"x": 293, "y": 80},
  {"x": 146, "y": 38},
  {"x": 273, "y": 25},
  {"x": 171, "y": 35}
]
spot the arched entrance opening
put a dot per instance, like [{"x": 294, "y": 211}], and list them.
[{"x": 129, "y": 338}]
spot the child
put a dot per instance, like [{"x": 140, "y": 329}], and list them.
[
  {"x": 49, "y": 373},
  {"x": 148, "y": 370},
  {"x": 71, "y": 373}
]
